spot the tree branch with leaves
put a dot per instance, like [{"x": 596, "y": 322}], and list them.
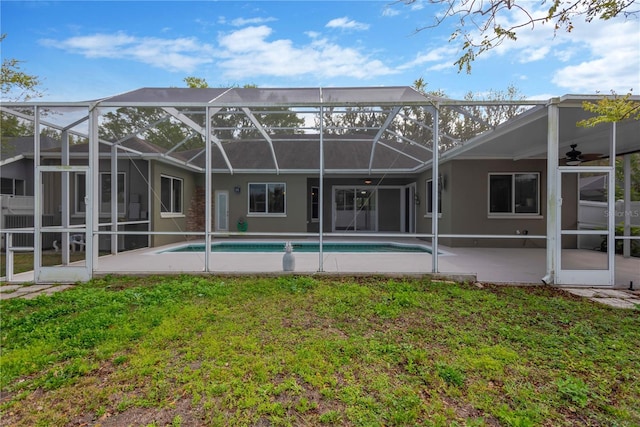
[
  {"x": 479, "y": 22},
  {"x": 12, "y": 78}
]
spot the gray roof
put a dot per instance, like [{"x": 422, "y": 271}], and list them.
[
  {"x": 302, "y": 152},
  {"x": 272, "y": 97},
  {"x": 23, "y": 145}
]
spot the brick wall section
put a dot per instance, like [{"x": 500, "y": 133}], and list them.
[{"x": 195, "y": 214}]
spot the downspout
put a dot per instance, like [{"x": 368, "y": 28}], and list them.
[{"x": 553, "y": 200}]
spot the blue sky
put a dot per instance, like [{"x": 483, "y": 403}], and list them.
[{"x": 90, "y": 49}]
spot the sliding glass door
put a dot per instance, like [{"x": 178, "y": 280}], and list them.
[{"x": 354, "y": 209}]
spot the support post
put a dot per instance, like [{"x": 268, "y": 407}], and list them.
[
  {"x": 208, "y": 187},
  {"x": 64, "y": 238},
  {"x": 611, "y": 205},
  {"x": 626, "y": 245},
  {"x": 321, "y": 196},
  {"x": 434, "y": 190},
  {"x": 37, "y": 197},
  {"x": 553, "y": 198},
  {"x": 93, "y": 213},
  {"x": 114, "y": 199}
]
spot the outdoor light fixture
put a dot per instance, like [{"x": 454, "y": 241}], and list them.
[
  {"x": 236, "y": 189},
  {"x": 367, "y": 181}
]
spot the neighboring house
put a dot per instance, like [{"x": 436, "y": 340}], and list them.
[
  {"x": 17, "y": 176},
  {"x": 16, "y": 186}
]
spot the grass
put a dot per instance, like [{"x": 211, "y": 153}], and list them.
[{"x": 315, "y": 351}]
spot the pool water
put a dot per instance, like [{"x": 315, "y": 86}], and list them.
[{"x": 302, "y": 247}]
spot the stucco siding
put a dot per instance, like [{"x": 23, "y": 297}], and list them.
[
  {"x": 465, "y": 208},
  {"x": 169, "y": 223},
  {"x": 295, "y": 217}
]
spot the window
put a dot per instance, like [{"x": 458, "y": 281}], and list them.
[
  {"x": 430, "y": 198},
  {"x": 514, "y": 193},
  {"x": 11, "y": 186},
  {"x": 105, "y": 192},
  {"x": 315, "y": 203},
  {"x": 267, "y": 198},
  {"x": 80, "y": 193},
  {"x": 170, "y": 195}
]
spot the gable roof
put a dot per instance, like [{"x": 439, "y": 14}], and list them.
[{"x": 21, "y": 147}]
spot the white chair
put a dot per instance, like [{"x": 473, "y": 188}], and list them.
[{"x": 77, "y": 240}]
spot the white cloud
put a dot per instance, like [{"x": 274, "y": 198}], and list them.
[
  {"x": 347, "y": 24},
  {"x": 181, "y": 54},
  {"x": 389, "y": 11},
  {"x": 241, "y": 22},
  {"x": 439, "y": 54},
  {"x": 247, "y": 53},
  {"x": 612, "y": 62},
  {"x": 417, "y": 5}
]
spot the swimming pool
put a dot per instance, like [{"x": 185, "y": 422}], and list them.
[{"x": 349, "y": 247}]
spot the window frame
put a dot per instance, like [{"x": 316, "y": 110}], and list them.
[
  {"x": 124, "y": 193},
  {"x": 172, "y": 212},
  {"x": 513, "y": 213},
  {"x": 266, "y": 212},
  {"x": 315, "y": 194},
  {"x": 79, "y": 206},
  {"x": 14, "y": 186}
]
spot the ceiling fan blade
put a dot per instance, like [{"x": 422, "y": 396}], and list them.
[{"x": 590, "y": 156}]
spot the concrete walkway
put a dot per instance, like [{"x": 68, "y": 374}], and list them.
[
  {"x": 612, "y": 297},
  {"x": 29, "y": 291}
]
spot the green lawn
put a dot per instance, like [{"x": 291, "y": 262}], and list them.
[{"x": 316, "y": 351}]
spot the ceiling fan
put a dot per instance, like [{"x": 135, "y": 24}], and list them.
[{"x": 575, "y": 157}]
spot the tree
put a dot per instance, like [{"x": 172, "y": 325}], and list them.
[
  {"x": 610, "y": 109},
  {"x": 196, "y": 82},
  {"x": 13, "y": 78},
  {"x": 485, "y": 17}
]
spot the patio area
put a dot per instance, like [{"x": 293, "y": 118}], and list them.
[{"x": 485, "y": 265}]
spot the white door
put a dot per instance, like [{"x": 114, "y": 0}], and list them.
[
  {"x": 586, "y": 250},
  {"x": 222, "y": 211},
  {"x": 62, "y": 241}
]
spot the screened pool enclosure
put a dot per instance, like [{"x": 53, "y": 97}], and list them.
[{"x": 128, "y": 176}]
